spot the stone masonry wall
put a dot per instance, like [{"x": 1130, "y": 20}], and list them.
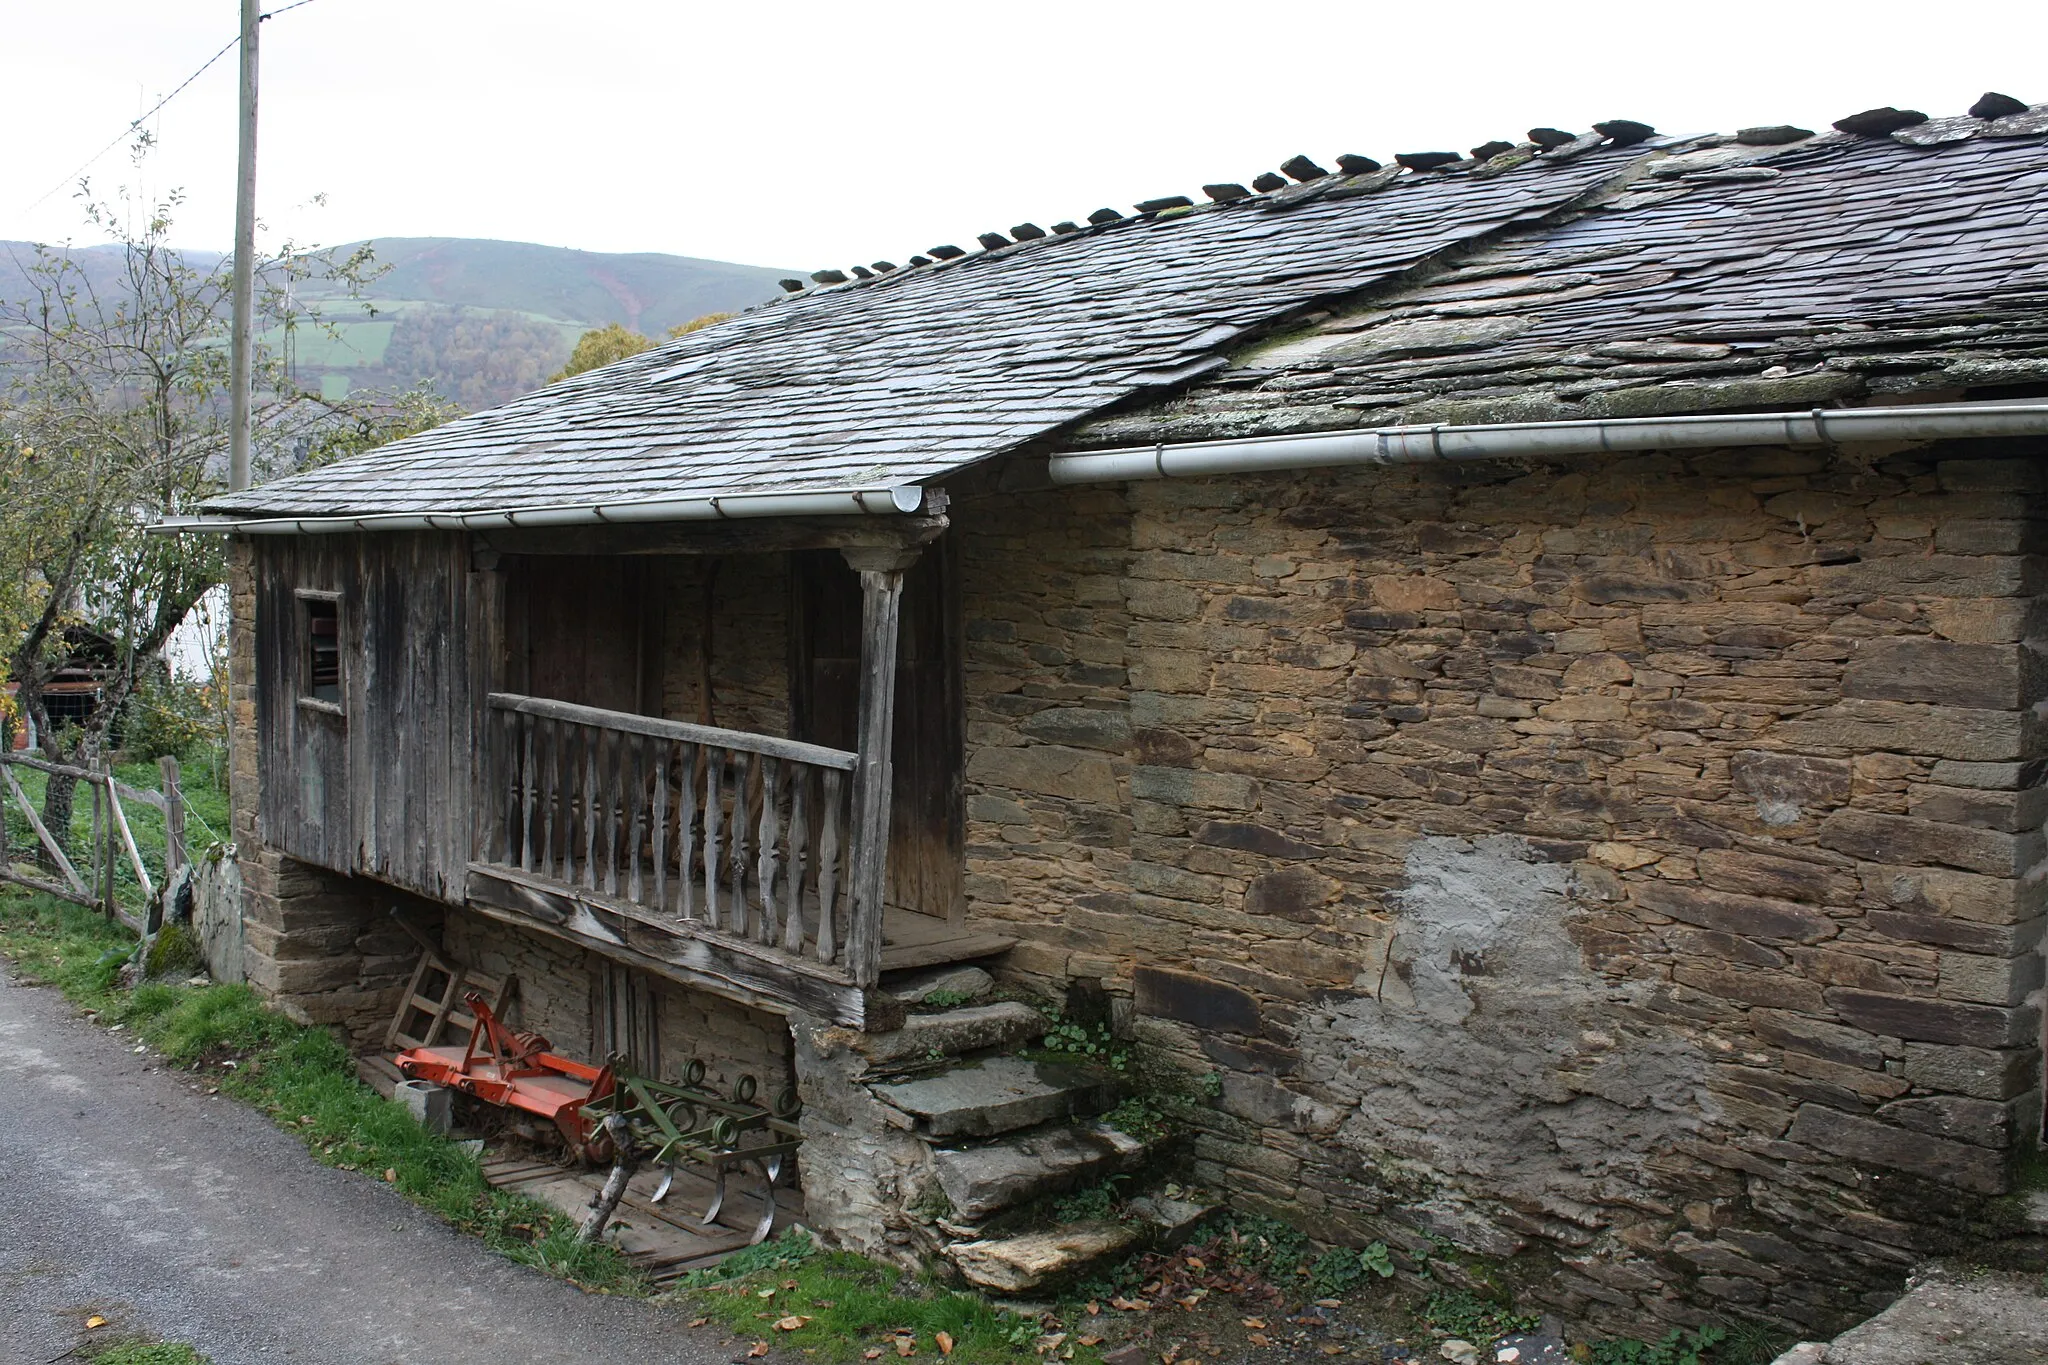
[{"x": 1630, "y": 869}]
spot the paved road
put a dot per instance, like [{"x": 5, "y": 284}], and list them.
[{"x": 128, "y": 1192}]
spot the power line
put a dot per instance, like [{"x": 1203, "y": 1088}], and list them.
[{"x": 143, "y": 118}]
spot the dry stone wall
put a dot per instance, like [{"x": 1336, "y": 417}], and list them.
[{"x": 1630, "y": 869}]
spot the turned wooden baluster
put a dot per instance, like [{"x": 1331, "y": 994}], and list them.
[
  {"x": 529, "y": 781},
  {"x": 551, "y": 797},
  {"x": 663, "y": 751},
  {"x": 590, "y": 742},
  {"x": 742, "y": 837},
  {"x": 828, "y": 866},
  {"x": 714, "y": 780},
  {"x": 770, "y": 862},
  {"x": 686, "y": 830},
  {"x": 636, "y": 811},
  {"x": 799, "y": 850}
]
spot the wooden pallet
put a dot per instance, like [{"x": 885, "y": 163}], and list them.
[{"x": 666, "y": 1240}]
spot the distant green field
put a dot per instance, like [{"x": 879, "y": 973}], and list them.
[{"x": 336, "y": 346}]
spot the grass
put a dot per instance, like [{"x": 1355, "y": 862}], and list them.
[
  {"x": 836, "y": 1307},
  {"x": 206, "y": 820},
  {"x": 304, "y": 1079},
  {"x": 143, "y": 1351}
]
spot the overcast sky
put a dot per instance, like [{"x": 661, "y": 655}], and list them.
[{"x": 807, "y": 135}]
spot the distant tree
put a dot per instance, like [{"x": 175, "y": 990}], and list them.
[
  {"x": 683, "y": 329},
  {"x": 602, "y": 346},
  {"x": 472, "y": 358},
  {"x": 358, "y": 429},
  {"x": 113, "y": 417}
]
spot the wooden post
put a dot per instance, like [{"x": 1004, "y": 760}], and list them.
[
  {"x": 174, "y": 818},
  {"x": 93, "y": 860},
  {"x": 881, "y": 590},
  {"x": 107, "y": 837}
]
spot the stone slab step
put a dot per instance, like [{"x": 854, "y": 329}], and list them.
[
  {"x": 1005, "y": 1024},
  {"x": 1042, "y": 1260},
  {"x": 988, "y": 1179},
  {"x": 1018, "y": 1265},
  {"x": 999, "y": 1095}
]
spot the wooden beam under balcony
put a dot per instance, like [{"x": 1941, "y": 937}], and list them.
[{"x": 692, "y": 956}]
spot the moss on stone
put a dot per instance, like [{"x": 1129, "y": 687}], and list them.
[{"x": 173, "y": 952}]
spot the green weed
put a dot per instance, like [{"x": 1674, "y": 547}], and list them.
[
  {"x": 833, "y": 1307},
  {"x": 1460, "y": 1313},
  {"x": 1343, "y": 1269},
  {"x": 142, "y": 1351},
  {"x": 1678, "y": 1347},
  {"x": 1069, "y": 1038},
  {"x": 305, "y": 1080}
]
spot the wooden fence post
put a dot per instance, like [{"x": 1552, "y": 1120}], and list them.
[
  {"x": 107, "y": 837},
  {"x": 175, "y": 855}
]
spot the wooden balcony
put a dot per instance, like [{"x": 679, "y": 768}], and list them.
[{"x": 737, "y": 863}]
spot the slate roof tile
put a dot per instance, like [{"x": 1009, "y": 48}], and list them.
[{"x": 919, "y": 372}]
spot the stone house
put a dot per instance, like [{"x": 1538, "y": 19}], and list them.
[{"x": 1520, "y": 668}]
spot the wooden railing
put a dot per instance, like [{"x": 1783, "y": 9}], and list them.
[{"x": 746, "y": 836}]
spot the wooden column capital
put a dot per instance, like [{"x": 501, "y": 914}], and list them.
[{"x": 867, "y": 559}]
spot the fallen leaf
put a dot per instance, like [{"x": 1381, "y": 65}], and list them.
[
  {"x": 1259, "y": 1339},
  {"x": 95, "y": 1321},
  {"x": 789, "y": 1284},
  {"x": 1130, "y": 1305},
  {"x": 698, "y": 1322},
  {"x": 1093, "y": 1308},
  {"x": 790, "y": 1323},
  {"x": 1254, "y": 1322},
  {"x": 391, "y": 1175},
  {"x": 1172, "y": 1354},
  {"x": 765, "y": 1294},
  {"x": 1089, "y": 1340},
  {"x": 945, "y": 1341},
  {"x": 1332, "y": 1349},
  {"x": 1329, "y": 1303},
  {"x": 759, "y": 1348},
  {"x": 1196, "y": 1263},
  {"x": 871, "y": 1353},
  {"x": 906, "y": 1346},
  {"x": 1192, "y": 1301}
]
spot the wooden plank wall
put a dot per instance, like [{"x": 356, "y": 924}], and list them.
[
  {"x": 386, "y": 789},
  {"x": 927, "y": 839},
  {"x": 304, "y": 775}
]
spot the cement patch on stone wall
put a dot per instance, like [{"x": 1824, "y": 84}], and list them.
[{"x": 1488, "y": 1052}]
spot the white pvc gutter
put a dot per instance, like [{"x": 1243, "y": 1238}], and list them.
[
  {"x": 900, "y": 500},
  {"x": 1549, "y": 440}
]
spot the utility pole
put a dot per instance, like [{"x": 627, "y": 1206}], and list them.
[{"x": 240, "y": 378}]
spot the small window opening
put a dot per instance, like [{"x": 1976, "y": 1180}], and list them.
[{"x": 322, "y": 618}]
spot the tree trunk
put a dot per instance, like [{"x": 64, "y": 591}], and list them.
[
  {"x": 626, "y": 1160},
  {"x": 59, "y": 795}
]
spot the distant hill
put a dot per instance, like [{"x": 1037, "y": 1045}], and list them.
[{"x": 482, "y": 321}]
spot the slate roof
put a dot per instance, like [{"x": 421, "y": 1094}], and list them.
[
  {"x": 1827, "y": 272},
  {"x": 1592, "y": 279},
  {"x": 925, "y": 370}
]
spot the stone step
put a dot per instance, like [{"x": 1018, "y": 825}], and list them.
[
  {"x": 953, "y": 1033},
  {"x": 998, "y": 1095},
  {"x": 985, "y": 1180},
  {"x": 1042, "y": 1260}
]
